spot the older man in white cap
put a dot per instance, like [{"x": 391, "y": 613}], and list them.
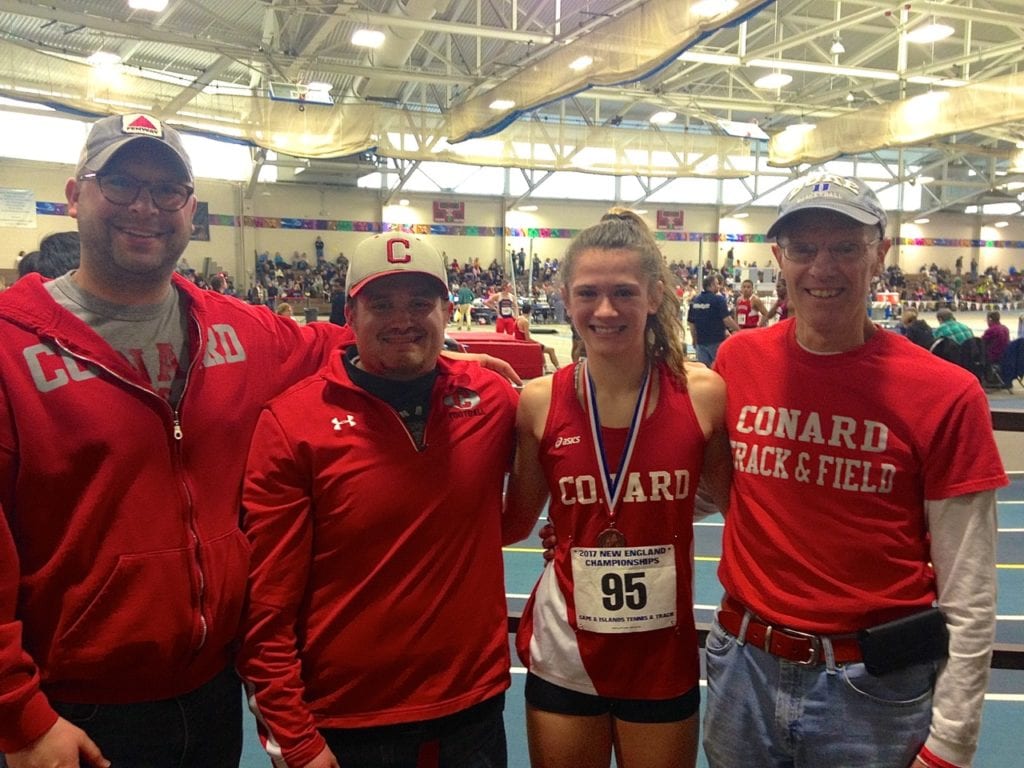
[
  {"x": 376, "y": 629},
  {"x": 859, "y": 546},
  {"x": 129, "y": 397}
]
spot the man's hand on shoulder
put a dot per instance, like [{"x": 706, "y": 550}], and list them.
[
  {"x": 63, "y": 746},
  {"x": 549, "y": 541},
  {"x": 490, "y": 362}
]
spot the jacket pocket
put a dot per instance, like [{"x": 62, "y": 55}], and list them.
[{"x": 142, "y": 615}]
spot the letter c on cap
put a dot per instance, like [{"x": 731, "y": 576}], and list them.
[{"x": 397, "y": 256}]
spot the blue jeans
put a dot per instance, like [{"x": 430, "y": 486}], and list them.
[
  {"x": 200, "y": 728},
  {"x": 706, "y": 352},
  {"x": 766, "y": 712},
  {"x": 474, "y": 738}
]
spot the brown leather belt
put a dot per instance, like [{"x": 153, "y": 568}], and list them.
[{"x": 789, "y": 644}]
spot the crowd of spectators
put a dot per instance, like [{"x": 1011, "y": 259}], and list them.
[
  {"x": 303, "y": 281},
  {"x": 300, "y": 279},
  {"x": 933, "y": 286}
]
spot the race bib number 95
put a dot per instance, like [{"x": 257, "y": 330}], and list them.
[{"x": 627, "y": 589}]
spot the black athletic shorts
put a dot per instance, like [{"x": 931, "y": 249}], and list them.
[{"x": 553, "y": 698}]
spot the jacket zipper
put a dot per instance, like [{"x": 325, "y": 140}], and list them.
[
  {"x": 412, "y": 440},
  {"x": 178, "y": 434}
]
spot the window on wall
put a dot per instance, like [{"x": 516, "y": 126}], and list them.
[
  {"x": 48, "y": 139},
  {"x": 571, "y": 185},
  {"x": 55, "y": 139}
]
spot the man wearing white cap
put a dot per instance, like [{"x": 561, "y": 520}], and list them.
[
  {"x": 375, "y": 632},
  {"x": 128, "y": 399},
  {"x": 854, "y": 514}
]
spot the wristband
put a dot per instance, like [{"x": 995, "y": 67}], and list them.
[{"x": 929, "y": 759}]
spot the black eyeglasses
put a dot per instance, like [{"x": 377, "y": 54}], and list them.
[{"x": 122, "y": 189}]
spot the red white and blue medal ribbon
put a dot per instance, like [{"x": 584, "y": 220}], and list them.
[{"x": 612, "y": 483}]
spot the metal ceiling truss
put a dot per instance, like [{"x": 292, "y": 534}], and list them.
[{"x": 445, "y": 60}]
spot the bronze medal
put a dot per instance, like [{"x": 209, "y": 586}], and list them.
[{"x": 611, "y": 538}]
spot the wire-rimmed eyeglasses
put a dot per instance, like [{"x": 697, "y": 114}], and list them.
[
  {"x": 123, "y": 189},
  {"x": 846, "y": 253}
]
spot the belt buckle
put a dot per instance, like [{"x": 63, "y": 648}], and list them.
[{"x": 815, "y": 643}]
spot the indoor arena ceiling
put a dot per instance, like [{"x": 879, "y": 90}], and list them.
[{"x": 507, "y": 82}]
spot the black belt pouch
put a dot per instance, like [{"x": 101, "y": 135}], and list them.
[{"x": 898, "y": 644}]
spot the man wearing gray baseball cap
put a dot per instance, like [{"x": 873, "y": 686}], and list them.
[
  {"x": 129, "y": 398},
  {"x": 858, "y": 557}
]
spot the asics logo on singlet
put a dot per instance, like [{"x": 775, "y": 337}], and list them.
[{"x": 573, "y": 440}]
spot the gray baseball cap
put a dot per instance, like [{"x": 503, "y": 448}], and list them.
[
  {"x": 827, "y": 192},
  {"x": 110, "y": 134},
  {"x": 394, "y": 253}
]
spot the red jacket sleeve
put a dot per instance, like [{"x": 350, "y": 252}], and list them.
[
  {"x": 277, "y": 520},
  {"x": 25, "y": 714}
]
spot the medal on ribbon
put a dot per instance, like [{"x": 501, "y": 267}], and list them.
[{"x": 612, "y": 537}]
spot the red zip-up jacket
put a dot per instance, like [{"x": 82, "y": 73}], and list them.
[
  {"x": 122, "y": 565},
  {"x": 376, "y": 592}
]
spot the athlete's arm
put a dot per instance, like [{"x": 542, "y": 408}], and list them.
[
  {"x": 325, "y": 759},
  {"x": 963, "y": 534},
  {"x": 707, "y": 393},
  {"x": 758, "y": 305},
  {"x": 527, "y": 488},
  {"x": 769, "y": 314}
]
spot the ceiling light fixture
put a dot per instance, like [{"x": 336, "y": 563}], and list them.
[
  {"x": 850, "y": 98},
  {"x": 368, "y": 38},
  {"x": 404, "y": 201},
  {"x": 743, "y": 130},
  {"x": 701, "y": 57},
  {"x": 773, "y": 81},
  {"x": 818, "y": 68},
  {"x": 705, "y": 9},
  {"x": 922, "y": 220},
  {"x": 929, "y": 33},
  {"x": 147, "y": 5},
  {"x": 104, "y": 59},
  {"x": 741, "y": 215},
  {"x": 527, "y": 208},
  {"x": 1001, "y": 224},
  {"x": 502, "y": 104},
  {"x": 663, "y": 118},
  {"x": 837, "y": 45},
  {"x": 578, "y": 65}
]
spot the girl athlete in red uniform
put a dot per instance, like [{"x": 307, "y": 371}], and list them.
[{"x": 618, "y": 442}]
